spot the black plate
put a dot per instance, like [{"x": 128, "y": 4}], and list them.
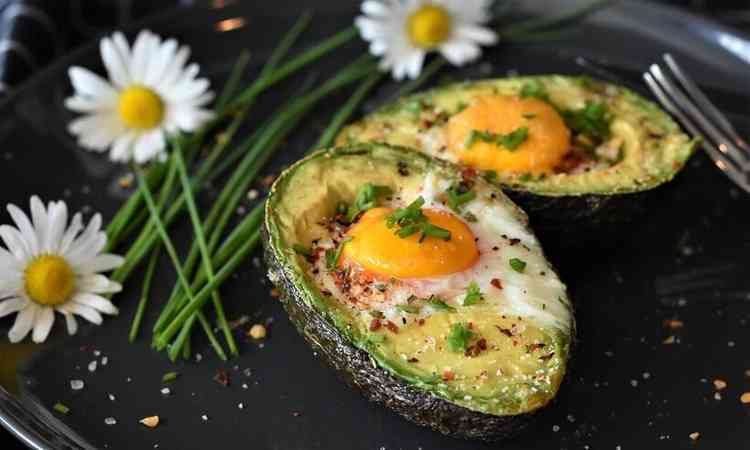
[{"x": 685, "y": 259}]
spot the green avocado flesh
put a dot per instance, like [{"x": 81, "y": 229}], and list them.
[
  {"x": 635, "y": 145},
  {"x": 505, "y": 355}
]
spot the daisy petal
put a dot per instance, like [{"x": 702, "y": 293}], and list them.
[
  {"x": 84, "y": 311},
  {"x": 89, "y": 104},
  {"x": 23, "y": 324},
  {"x": 87, "y": 83},
  {"x": 14, "y": 242},
  {"x": 480, "y": 35},
  {"x": 11, "y": 306},
  {"x": 115, "y": 63},
  {"x": 76, "y": 225},
  {"x": 460, "y": 52},
  {"x": 161, "y": 59},
  {"x": 70, "y": 322},
  {"x": 141, "y": 51},
  {"x": 98, "y": 284},
  {"x": 45, "y": 318},
  {"x": 375, "y": 8},
  {"x": 122, "y": 149},
  {"x": 101, "y": 263},
  {"x": 148, "y": 145},
  {"x": 24, "y": 226},
  {"x": 174, "y": 70},
  {"x": 97, "y": 302}
]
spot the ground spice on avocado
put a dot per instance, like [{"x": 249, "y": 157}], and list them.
[
  {"x": 403, "y": 169},
  {"x": 392, "y": 327},
  {"x": 496, "y": 283},
  {"x": 375, "y": 325}
]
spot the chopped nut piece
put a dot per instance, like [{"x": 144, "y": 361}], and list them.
[
  {"x": 745, "y": 397},
  {"x": 151, "y": 421},
  {"x": 257, "y": 331},
  {"x": 673, "y": 323},
  {"x": 695, "y": 436},
  {"x": 720, "y": 384}
]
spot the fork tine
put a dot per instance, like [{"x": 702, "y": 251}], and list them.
[
  {"x": 720, "y": 159},
  {"x": 724, "y": 144},
  {"x": 705, "y": 104}
]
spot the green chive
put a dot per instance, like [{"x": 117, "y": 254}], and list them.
[
  {"x": 169, "y": 377},
  {"x": 62, "y": 409},
  {"x": 518, "y": 265}
]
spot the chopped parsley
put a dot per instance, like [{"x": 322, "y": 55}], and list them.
[
  {"x": 169, "y": 376},
  {"x": 518, "y": 265},
  {"x": 526, "y": 177},
  {"x": 410, "y": 309},
  {"x": 535, "y": 89},
  {"x": 592, "y": 120},
  {"x": 473, "y": 294},
  {"x": 367, "y": 198},
  {"x": 459, "y": 337},
  {"x": 439, "y": 304},
  {"x": 302, "y": 250},
  {"x": 333, "y": 254},
  {"x": 62, "y": 409},
  {"x": 490, "y": 176},
  {"x": 510, "y": 141},
  {"x": 458, "y": 195},
  {"x": 411, "y": 220},
  {"x": 414, "y": 106}
]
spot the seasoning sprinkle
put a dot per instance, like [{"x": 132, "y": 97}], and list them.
[
  {"x": 76, "y": 385},
  {"x": 150, "y": 421}
]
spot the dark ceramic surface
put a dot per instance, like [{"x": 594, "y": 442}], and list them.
[{"x": 686, "y": 259}]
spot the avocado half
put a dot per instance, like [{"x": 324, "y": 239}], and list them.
[
  {"x": 527, "y": 328},
  {"x": 643, "y": 148}
]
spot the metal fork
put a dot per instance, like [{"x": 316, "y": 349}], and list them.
[{"x": 682, "y": 97}]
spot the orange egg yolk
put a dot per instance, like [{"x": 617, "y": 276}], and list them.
[
  {"x": 547, "y": 142},
  {"x": 376, "y": 247}
]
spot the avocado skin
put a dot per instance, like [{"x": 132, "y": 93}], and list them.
[{"x": 355, "y": 367}]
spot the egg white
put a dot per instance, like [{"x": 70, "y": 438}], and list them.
[{"x": 537, "y": 294}]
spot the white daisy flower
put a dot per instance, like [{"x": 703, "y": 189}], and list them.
[
  {"x": 150, "y": 92},
  {"x": 403, "y": 31},
  {"x": 50, "y": 266}
]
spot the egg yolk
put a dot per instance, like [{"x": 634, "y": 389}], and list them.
[
  {"x": 376, "y": 247},
  {"x": 547, "y": 142}
]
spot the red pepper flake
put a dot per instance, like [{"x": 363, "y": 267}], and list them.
[
  {"x": 477, "y": 348},
  {"x": 375, "y": 325},
  {"x": 505, "y": 331},
  {"x": 222, "y": 377},
  {"x": 392, "y": 327},
  {"x": 468, "y": 173},
  {"x": 420, "y": 322},
  {"x": 471, "y": 325},
  {"x": 482, "y": 344},
  {"x": 412, "y": 360},
  {"x": 448, "y": 375},
  {"x": 497, "y": 283}
]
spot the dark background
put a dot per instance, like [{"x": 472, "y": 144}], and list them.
[{"x": 33, "y": 33}]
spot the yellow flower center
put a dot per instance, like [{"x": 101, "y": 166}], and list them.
[
  {"x": 140, "y": 107},
  {"x": 50, "y": 280},
  {"x": 429, "y": 26}
]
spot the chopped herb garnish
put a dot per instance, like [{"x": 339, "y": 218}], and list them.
[
  {"x": 510, "y": 141},
  {"x": 62, "y": 409},
  {"x": 367, "y": 198},
  {"x": 458, "y": 195},
  {"x": 333, "y": 254},
  {"x": 414, "y": 106},
  {"x": 169, "y": 376},
  {"x": 536, "y": 89},
  {"x": 518, "y": 265},
  {"x": 490, "y": 176},
  {"x": 302, "y": 250},
  {"x": 411, "y": 309},
  {"x": 461, "y": 106},
  {"x": 459, "y": 337},
  {"x": 592, "y": 120},
  {"x": 439, "y": 304},
  {"x": 526, "y": 177},
  {"x": 473, "y": 294},
  {"x": 412, "y": 220}
]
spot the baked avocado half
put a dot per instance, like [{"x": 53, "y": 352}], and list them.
[
  {"x": 571, "y": 151},
  {"x": 422, "y": 287}
]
